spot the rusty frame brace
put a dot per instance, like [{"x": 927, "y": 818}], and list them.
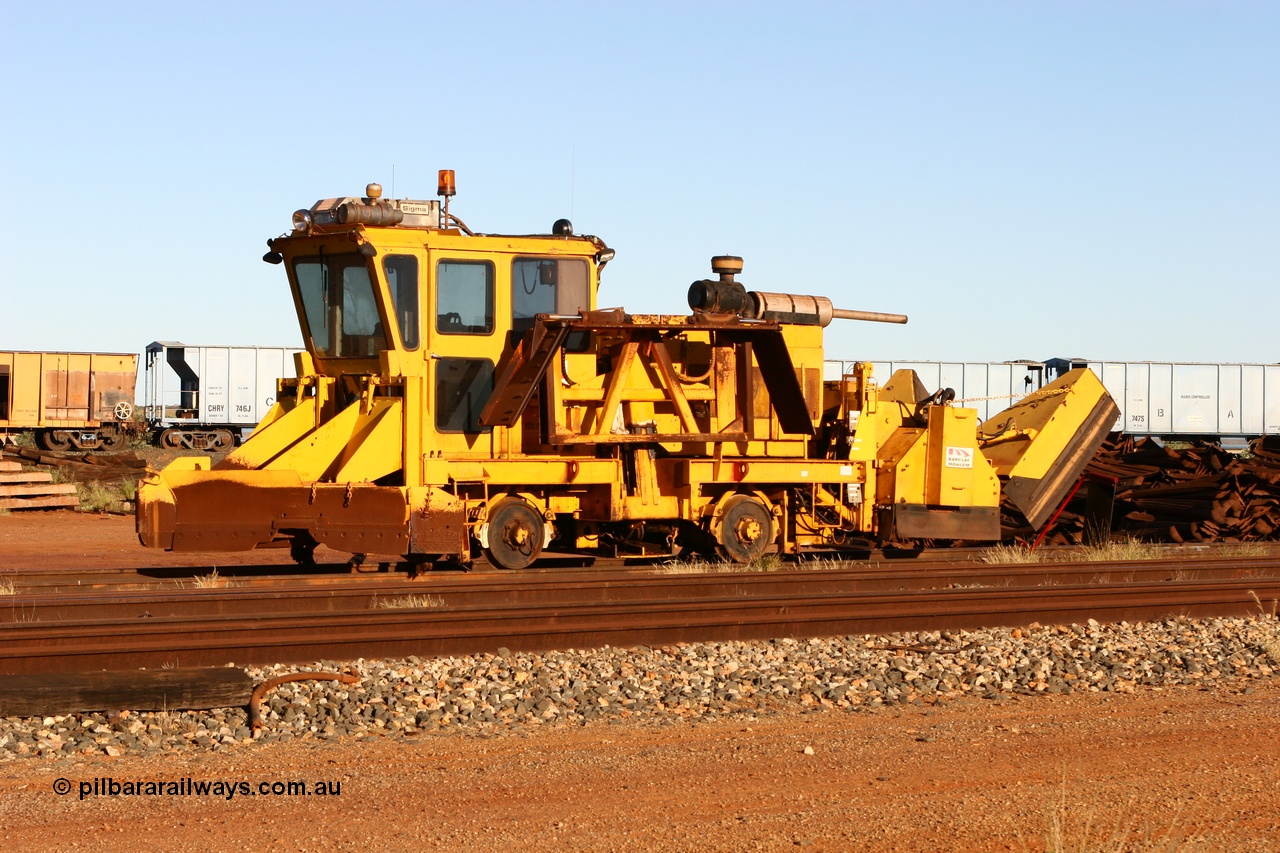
[{"x": 642, "y": 337}]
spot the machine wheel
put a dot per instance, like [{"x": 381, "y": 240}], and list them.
[
  {"x": 515, "y": 535},
  {"x": 123, "y": 410},
  {"x": 54, "y": 439},
  {"x": 746, "y": 530}
]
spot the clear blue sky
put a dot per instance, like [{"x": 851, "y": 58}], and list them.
[{"x": 1025, "y": 180}]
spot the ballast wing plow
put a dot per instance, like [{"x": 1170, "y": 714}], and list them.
[{"x": 1040, "y": 445}]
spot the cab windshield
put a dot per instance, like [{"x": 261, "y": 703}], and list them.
[{"x": 341, "y": 311}]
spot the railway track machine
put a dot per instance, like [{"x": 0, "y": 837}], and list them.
[{"x": 464, "y": 393}]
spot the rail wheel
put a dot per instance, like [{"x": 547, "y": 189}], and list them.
[
  {"x": 111, "y": 439},
  {"x": 223, "y": 440},
  {"x": 171, "y": 439},
  {"x": 54, "y": 439},
  {"x": 746, "y": 530},
  {"x": 515, "y": 533}
]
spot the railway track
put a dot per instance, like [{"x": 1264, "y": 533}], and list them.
[
  {"x": 69, "y": 577},
  {"x": 255, "y": 594},
  {"x": 309, "y": 619},
  {"x": 892, "y": 564}
]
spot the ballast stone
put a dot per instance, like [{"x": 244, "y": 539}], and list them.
[{"x": 485, "y": 694}]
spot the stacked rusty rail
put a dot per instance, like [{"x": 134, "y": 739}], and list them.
[
  {"x": 80, "y": 465},
  {"x": 1193, "y": 494},
  {"x": 32, "y": 489}
]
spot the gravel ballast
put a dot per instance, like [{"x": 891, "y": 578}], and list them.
[{"x": 506, "y": 692}]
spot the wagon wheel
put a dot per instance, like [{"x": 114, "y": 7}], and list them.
[
  {"x": 54, "y": 439},
  {"x": 746, "y": 530},
  {"x": 123, "y": 410},
  {"x": 516, "y": 531},
  {"x": 112, "y": 439}
]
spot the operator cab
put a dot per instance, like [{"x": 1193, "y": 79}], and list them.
[{"x": 403, "y": 288}]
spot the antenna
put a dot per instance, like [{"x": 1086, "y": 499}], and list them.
[
  {"x": 573, "y": 174},
  {"x": 393, "y": 180}
]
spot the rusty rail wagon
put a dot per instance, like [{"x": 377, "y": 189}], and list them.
[{"x": 70, "y": 400}]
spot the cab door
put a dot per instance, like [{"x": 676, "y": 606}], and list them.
[{"x": 466, "y": 342}]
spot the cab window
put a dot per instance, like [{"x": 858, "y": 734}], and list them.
[
  {"x": 464, "y": 297},
  {"x": 402, "y": 280},
  {"x": 341, "y": 311},
  {"x": 546, "y": 286}
]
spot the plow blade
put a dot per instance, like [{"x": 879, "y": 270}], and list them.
[
  {"x": 1040, "y": 446},
  {"x": 201, "y": 510}
]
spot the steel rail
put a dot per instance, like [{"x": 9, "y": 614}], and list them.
[
  {"x": 64, "y": 578},
  {"x": 117, "y": 644},
  {"x": 456, "y": 590},
  {"x": 140, "y": 580}
]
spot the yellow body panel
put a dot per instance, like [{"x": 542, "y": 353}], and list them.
[
  {"x": 320, "y": 449},
  {"x": 957, "y": 472},
  {"x": 373, "y": 450}
]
